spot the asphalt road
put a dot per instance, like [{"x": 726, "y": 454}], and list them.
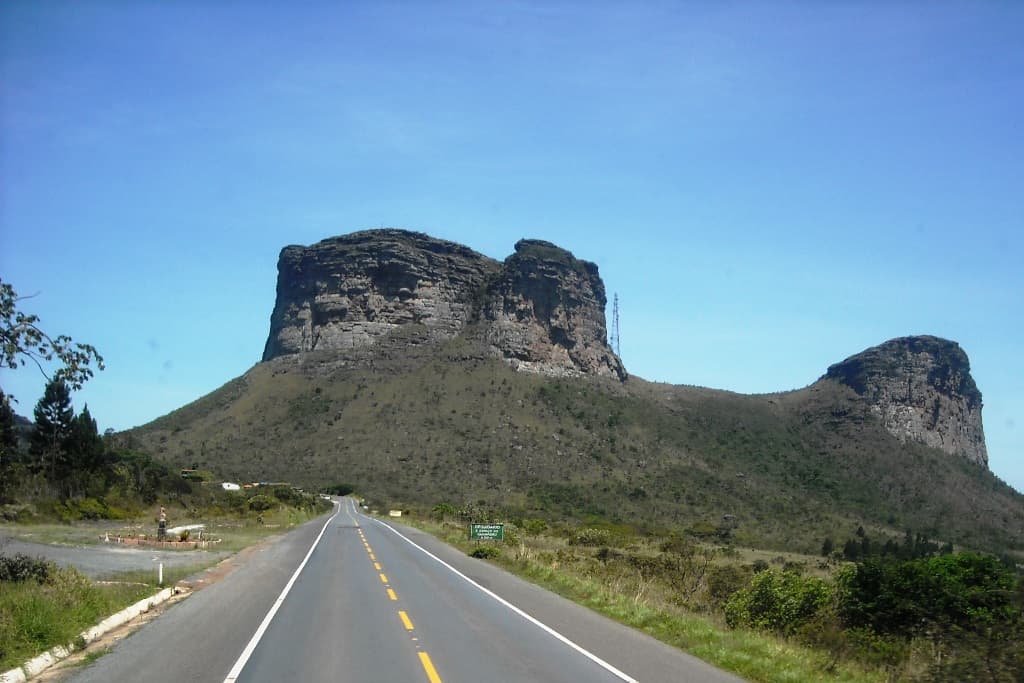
[{"x": 351, "y": 598}]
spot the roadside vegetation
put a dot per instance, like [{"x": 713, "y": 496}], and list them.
[
  {"x": 43, "y": 605},
  {"x": 921, "y": 615}
]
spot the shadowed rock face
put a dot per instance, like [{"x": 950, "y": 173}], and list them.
[
  {"x": 922, "y": 389},
  {"x": 542, "y": 310}
]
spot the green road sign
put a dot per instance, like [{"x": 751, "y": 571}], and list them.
[{"x": 486, "y": 532}]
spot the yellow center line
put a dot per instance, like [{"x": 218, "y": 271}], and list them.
[
  {"x": 391, "y": 594},
  {"x": 373, "y": 557},
  {"x": 405, "y": 620},
  {"x": 376, "y": 565},
  {"x": 428, "y": 666},
  {"x": 384, "y": 579}
]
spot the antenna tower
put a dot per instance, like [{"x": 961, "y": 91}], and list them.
[{"x": 615, "y": 326}]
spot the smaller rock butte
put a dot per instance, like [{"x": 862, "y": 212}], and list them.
[
  {"x": 922, "y": 390},
  {"x": 542, "y": 309}
]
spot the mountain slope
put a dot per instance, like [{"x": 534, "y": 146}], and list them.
[{"x": 451, "y": 423}]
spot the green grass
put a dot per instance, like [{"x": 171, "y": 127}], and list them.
[
  {"x": 35, "y": 617},
  {"x": 756, "y": 656}
]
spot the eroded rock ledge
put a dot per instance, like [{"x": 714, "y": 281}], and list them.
[{"x": 922, "y": 389}]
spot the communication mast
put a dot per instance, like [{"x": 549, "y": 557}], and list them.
[{"x": 615, "y": 326}]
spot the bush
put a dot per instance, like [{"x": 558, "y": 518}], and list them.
[
  {"x": 678, "y": 545},
  {"x": 724, "y": 581},
  {"x": 289, "y": 496},
  {"x": 534, "y": 527},
  {"x": 21, "y": 567},
  {"x": 777, "y": 601},
  {"x": 442, "y": 510},
  {"x": 591, "y": 538},
  {"x": 261, "y": 503},
  {"x": 485, "y": 552}
]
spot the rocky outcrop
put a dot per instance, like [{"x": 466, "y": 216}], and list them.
[
  {"x": 542, "y": 309},
  {"x": 546, "y": 313},
  {"x": 350, "y": 291},
  {"x": 922, "y": 389}
]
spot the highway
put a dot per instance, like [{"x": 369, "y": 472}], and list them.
[{"x": 352, "y": 598}]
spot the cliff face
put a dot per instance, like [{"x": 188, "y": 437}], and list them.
[
  {"x": 542, "y": 310},
  {"x": 349, "y": 291},
  {"x": 922, "y": 389},
  {"x": 546, "y": 312}
]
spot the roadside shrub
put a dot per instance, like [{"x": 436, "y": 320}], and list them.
[
  {"x": 69, "y": 581},
  {"x": 289, "y": 496},
  {"x": 16, "y": 513},
  {"x": 261, "y": 503},
  {"x": 724, "y": 581},
  {"x": 777, "y": 601},
  {"x": 21, "y": 567},
  {"x": 442, "y": 510},
  {"x": 534, "y": 527},
  {"x": 485, "y": 552}
]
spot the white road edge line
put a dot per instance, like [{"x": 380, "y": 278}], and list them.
[
  {"x": 236, "y": 670},
  {"x": 536, "y": 622}
]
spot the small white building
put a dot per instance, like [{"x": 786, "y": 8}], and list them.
[{"x": 228, "y": 486}]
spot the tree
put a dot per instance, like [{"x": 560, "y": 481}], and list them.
[
  {"x": 8, "y": 446},
  {"x": 22, "y": 340},
  {"x": 85, "y": 452},
  {"x": 8, "y": 437},
  {"x": 964, "y": 591},
  {"x": 54, "y": 417}
]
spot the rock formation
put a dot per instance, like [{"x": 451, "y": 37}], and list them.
[
  {"x": 922, "y": 389},
  {"x": 546, "y": 311},
  {"x": 542, "y": 310}
]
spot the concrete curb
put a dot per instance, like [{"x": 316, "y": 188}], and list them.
[{"x": 37, "y": 665}]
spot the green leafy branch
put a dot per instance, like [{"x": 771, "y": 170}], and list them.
[{"x": 23, "y": 341}]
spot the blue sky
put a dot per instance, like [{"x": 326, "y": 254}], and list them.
[{"x": 769, "y": 187}]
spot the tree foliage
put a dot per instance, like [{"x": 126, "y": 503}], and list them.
[
  {"x": 962, "y": 591},
  {"x": 22, "y": 341},
  {"x": 967, "y": 606},
  {"x": 8, "y": 437},
  {"x": 54, "y": 417}
]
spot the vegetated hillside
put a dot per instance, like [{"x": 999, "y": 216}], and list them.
[{"x": 416, "y": 424}]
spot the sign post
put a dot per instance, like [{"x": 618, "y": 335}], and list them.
[{"x": 487, "y": 532}]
